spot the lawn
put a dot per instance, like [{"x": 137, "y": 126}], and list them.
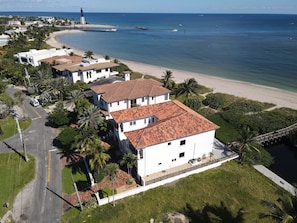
[
  {"x": 15, "y": 173},
  {"x": 9, "y": 128},
  {"x": 79, "y": 176},
  {"x": 227, "y": 189}
]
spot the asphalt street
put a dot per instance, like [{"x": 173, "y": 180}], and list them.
[{"x": 41, "y": 200}]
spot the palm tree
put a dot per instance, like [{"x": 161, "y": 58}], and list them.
[
  {"x": 187, "y": 88},
  {"x": 91, "y": 117},
  {"x": 168, "y": 79},
  {"x": 73, "y": 97},
  {"x": 41, "y": 78},
  {"x": 84, "y": 140},
  {"x": 281, "y": 211},
  {"x": 112, "y": 171},
  {"x": 130, "y": 160},
  {"x": 89, "y": 54},
  {"x": 246, "y": 142},
  {"x": 97, "y": 155}
]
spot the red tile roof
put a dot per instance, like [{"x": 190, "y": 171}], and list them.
[
  {"x": 175, "y": 121},
  {"x": 129, "y": 90}
]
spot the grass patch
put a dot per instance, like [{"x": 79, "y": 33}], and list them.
[
  {"x": 237, "y": 186},
  {"x": 9, "y": 127},
  {"x": 15, "y": 173},
  {"x": 79, "y": 177},
  {"x": 226, "y": 133}
]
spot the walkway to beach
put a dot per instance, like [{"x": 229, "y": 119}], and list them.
[{"x": 276, "y": 179}]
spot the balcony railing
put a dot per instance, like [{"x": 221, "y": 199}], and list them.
[{"x": 190, "y": 168}]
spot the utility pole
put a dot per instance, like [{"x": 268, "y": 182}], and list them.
[
  {"x": 22, "y": 139},
  {"x": 27, "y": 76}
]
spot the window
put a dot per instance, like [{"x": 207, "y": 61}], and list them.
[
  {"x": 110, "y": 104},
  {"x": 141, "y": 154},
  {"x": 106, "y": 69},
  {"x": 145, "y": 121},
  {"x": 169, "y": 144},
  {"x": 142, "y": 99},
  {"x": 182, "y": 155},
  {"x": 173, "y": 160},
  {"x": 98, "y": 71},
  {"x": 133, "y": 123},
  {"x": 159, "y": 164},
  {"x": 152, "y": 98},
  {"x": 166, "y": 97},
  {"x": 183, "y": 142},
  {"x": 118, "y": 103}
]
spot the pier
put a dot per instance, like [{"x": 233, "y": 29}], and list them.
[{"x": 275, "y": 136}]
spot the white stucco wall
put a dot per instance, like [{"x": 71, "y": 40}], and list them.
[
  {"x": 143, "y": 101},
  {"x": 34, "y": 56},
  {"x": 164, "y": 156}
]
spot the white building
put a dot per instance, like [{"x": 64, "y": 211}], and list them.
[
  {"x": 163, "y": 136},
  {"x": 34, "y": 57},
  {"x": 4, "y": 39},
  {"x": 87, "y": 71},
  {"x": 14, "y": 23},
  {"x": 130, "y": 93}
]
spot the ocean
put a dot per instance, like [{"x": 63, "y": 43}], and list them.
[{"x": 256, "y": 48}]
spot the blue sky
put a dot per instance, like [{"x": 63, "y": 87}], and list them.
[{"x": 179, "y": 6}]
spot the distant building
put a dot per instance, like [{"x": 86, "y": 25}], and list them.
[
  {"x": 4, "y": 39},
  {"x": 34, "y": 57},
  {"x": 88, "y": 70},
  {"x": 14, "y": 23},
  {"x": 82, "y": 18}
]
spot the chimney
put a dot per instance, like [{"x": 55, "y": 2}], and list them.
[{"x": 127, "y": 75}]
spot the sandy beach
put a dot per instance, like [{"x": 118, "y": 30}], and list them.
[{"x": 278, "y": 97}]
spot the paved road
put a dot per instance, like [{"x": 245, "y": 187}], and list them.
[{"x": 40, "y": 201}]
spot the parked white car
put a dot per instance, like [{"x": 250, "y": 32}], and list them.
[{"x": 34, "y": 102}]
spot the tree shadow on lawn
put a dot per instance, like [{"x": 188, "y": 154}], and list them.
[
  {"x": 79, "y": 168},
  {"x": 211, "y": 213}
]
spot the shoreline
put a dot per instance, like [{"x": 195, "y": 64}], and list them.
[{"x": 281, "y": 98}]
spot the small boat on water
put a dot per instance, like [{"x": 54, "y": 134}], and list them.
[{"x": 174, "y": 30}]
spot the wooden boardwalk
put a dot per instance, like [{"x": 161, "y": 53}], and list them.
[{"x": 275, "y": 136}]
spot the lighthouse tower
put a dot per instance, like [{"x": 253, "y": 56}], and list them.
[{"x": 82, "y": 18}]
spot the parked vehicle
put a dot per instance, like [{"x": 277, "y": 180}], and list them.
[{"x": 34, "y": 102}]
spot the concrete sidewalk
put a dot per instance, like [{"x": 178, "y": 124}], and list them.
[{"x": 276, "y": 179}]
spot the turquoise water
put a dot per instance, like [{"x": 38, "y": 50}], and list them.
[{"x": 255, "y": 48}]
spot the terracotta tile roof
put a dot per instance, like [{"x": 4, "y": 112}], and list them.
[
  {"x": 62, "y": 59},
  {"x": 129, "y": 90},
  {"x": 73, "y": 67},
  {"x": 175, "y": 121}
]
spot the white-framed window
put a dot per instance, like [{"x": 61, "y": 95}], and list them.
[
  {"x": 181, "y": 155},
  {"x": 166, "y": 97},
  {"x": 142, "y": 99}
]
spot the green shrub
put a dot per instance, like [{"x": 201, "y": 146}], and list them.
[
  {"x": 107, "y": 192},
  {"x": 59, "y": 118}
]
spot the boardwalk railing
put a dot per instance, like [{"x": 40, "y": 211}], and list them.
[{"x": 274, "y": 136}]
